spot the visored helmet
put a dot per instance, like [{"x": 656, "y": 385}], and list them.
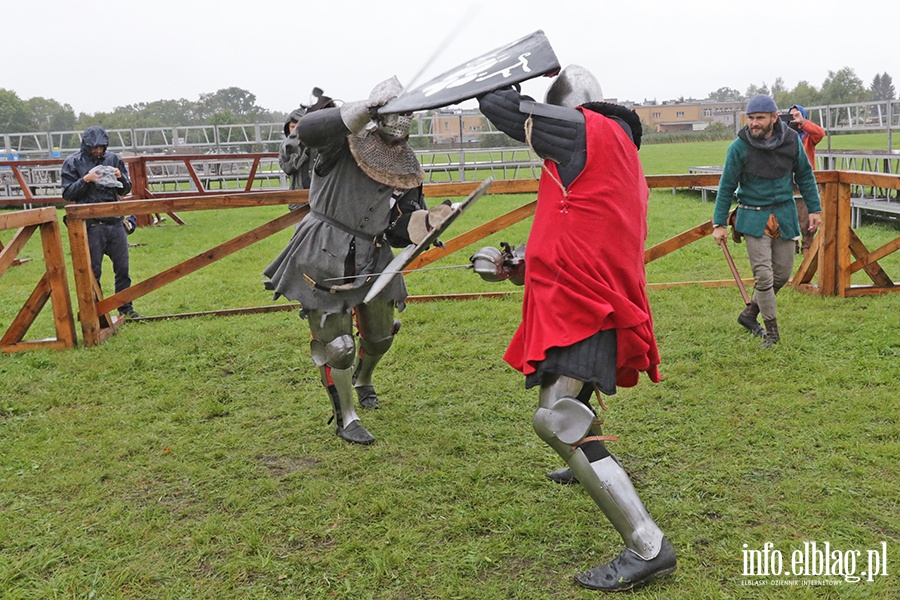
[{"x": 573, "y": 87}]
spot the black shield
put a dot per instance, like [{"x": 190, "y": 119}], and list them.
[{"x": 519, "y": 61}]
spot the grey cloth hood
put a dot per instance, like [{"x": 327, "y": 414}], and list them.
[{"x": 295, "y": 116}]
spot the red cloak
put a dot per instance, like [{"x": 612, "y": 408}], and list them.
[{"x": 584, "y": 262}]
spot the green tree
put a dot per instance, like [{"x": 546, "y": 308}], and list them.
[
  {"x": 883, "y": 87},
  {"x": 803, "y": 94},
  {"x": 843, "y": 87},
  {"x": 123, "y": 117},
  {"x": 14, "y": 114},
  {"x": 725, "y": 94},
  {"x": 754, "y": 90},
  {"x": 50, "y": 115},
  {"x": 160, "y": 113},
  {"x": 779, "y": 93},
  {"x": 223, "y": 117},
  {"x": 238, "y": 102}
]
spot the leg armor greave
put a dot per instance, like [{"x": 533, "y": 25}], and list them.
[
  {"x": 563, "y": 422},
  {"x": 375, "y": 322},
  {"x": 333, "y": 346}
]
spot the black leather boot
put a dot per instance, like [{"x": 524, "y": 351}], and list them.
[
  {"x": 771, "y": 336},
  {"x": 367, "y": 396},
  {"x": 563, "y": 476},
  {"x": 747, "y": 319},
  {"x": 346, "y": 423},
  {"x": 628, "y": 570}
]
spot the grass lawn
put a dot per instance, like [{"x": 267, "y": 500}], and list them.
[{"x": 192, "y": 458}]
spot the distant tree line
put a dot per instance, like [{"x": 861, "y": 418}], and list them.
[
  {"x": 231, "y": 105},
  {"x": 234, "y": 105},
  {"x": 840, "y": 87}
]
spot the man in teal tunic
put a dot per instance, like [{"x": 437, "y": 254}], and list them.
[{"x": 761, "y": 167}]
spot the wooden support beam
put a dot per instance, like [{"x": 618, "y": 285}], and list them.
[
  {"x": 472, "y": 236},
  {"x": 9, "y": 253},
  {"x": 842, "y": 224},
  {"x": 873, "y": 269},
  {"x": 875, "y": 255},
  {"x": 252, "y": 176},
  {"x": 34, "y": 345},
  {"x": 869, "y": 290},
  {"x": 203, "y": 259},
  {"x": 27, "y": 314},
  {"x": 679, "y": 241},
  {"x": 35, "y": 216},
  {"x": 60, "y": 299},
  {"x": 809, "y": 265},
  {"x": 84, "y": 282},
  {"x": 828, "y": 283}
]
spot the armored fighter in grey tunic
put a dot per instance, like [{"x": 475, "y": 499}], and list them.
[
  {"x": 343, "y": 235},
  {"x": 365, "y": 175}
]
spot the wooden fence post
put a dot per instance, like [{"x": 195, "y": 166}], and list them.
[{"x": 53, "y": 284}]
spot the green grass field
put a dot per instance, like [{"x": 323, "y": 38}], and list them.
[{"x": 191, "y": 458}]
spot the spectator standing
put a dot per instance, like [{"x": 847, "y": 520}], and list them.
[
  {"x": 810, "y": 135},
  {"x": 95, "y": 175}
]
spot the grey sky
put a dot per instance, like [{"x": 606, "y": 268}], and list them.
[{"x": 98, "y": 55}]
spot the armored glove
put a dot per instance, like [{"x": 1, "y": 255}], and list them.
[
  {"x": 423, "y": 221},
  {"x": 358, "y": 113},
  {"x": 493, "y": 265}
]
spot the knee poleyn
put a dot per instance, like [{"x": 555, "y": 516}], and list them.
[
  {"x": 567, "y": 420},
  {"x": 377, "y": 347},
  {"x": 339, "y": 353}
]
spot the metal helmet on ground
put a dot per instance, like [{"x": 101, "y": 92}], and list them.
[{"x": 574, "y": 86}]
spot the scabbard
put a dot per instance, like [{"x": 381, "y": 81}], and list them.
[{"x": 734, "y": 271}]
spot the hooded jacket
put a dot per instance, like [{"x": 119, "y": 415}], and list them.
[
  {"x": 293, "y": 157},
  {"x": 76, "y": 166},
  {"x": 810, "y": 135}
]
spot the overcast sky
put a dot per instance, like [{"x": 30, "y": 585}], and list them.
[{"x": 97, "y": 55}]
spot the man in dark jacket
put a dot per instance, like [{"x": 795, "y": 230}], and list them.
[
  {"x": 94, "y": 175},
  {"x": 293, "y": 157}
]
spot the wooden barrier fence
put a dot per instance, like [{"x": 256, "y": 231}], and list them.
[
  {"x": 53, "y": 284},
  {"x": 830, "y": 258}
]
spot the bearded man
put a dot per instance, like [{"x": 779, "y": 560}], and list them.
[{"x": 761, "y": 167}]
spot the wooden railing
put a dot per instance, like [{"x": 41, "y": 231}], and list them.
[
  {"x": 837, "y": 252},
  {"x": 53, "y": 284}
]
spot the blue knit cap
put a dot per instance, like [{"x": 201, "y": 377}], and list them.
[{"x": 761, "y": 104}]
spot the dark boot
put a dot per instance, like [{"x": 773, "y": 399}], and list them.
[
  {"x": 747, "y": 319},
  {"x": 346, "y": 422},
  {"x": 771, "y": 336},
  {"x": 367, "y": 396},
  {"x": 628, "y": 570},
  {"x": 563, "y": 476},
  {"x": 355, "y": 433}
]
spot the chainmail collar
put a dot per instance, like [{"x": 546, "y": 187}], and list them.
[{"x": 393, "y": 165}]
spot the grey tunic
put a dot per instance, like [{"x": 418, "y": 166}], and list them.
[{"x": 323, "y": 248}]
